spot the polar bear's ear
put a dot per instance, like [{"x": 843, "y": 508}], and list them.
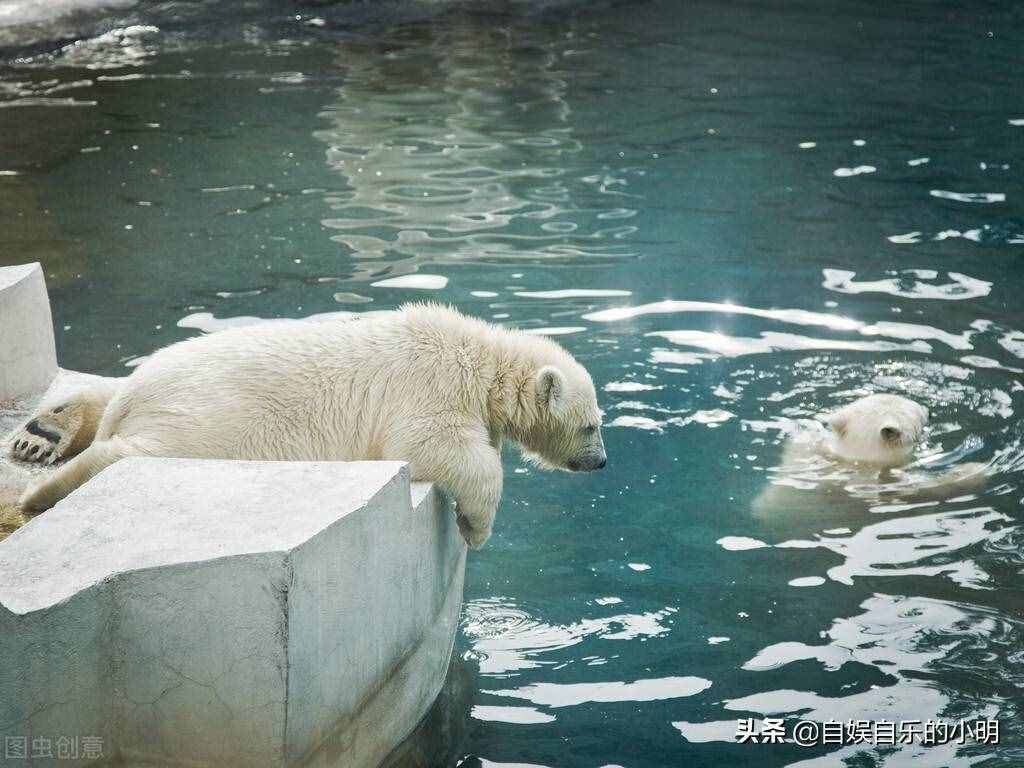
[
  {"x": 838, "y": 422},
  {"x": 550, "y": 387}
]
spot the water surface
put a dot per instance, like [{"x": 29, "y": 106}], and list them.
[{"x": 735, "y": 215}]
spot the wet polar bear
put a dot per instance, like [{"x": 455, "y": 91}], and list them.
[
  {"x": 424, "y": 384},
  {"x": 880, "y": 431},
  {"x": 865, "y": 450}
]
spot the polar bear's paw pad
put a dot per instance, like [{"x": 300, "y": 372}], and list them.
[{"x": 40, "y": 443}]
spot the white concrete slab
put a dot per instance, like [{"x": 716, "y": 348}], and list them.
[
  {"x": 28, "y": 356},
  {"x": 180, "y": 612},
  {"x": 146, "y": 513},
  {"x": 232, "y": 613}
]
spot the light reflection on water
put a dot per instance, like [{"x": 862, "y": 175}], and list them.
[
  {"x": 668, "y": 190},
  {"x": 506, "y": 639},
  {"x": 436, "y": 172}
]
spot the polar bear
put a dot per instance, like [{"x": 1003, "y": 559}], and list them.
[
  {"x": 880, "y": 431},
  {"x": 424, "y": 384},
  {"x": 866, "y": 450}
]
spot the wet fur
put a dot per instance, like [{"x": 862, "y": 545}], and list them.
[{"x": 864, "y": 451}]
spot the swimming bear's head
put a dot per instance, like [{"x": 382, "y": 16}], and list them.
[{"x": 878, "y": 429}]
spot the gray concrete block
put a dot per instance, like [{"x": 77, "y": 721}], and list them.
[
  {"x": 28, "y": 356},
  {"x": 391, "y": 661},
  {"x": 231, "y": 613}
]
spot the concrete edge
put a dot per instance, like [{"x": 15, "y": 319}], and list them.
[{"x": 28, "y": 352}]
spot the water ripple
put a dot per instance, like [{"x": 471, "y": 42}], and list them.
[
  {"x": 507, "y": 639},
  {"x": 465, "y": 182},
  {"x": 909, "y": 284}
]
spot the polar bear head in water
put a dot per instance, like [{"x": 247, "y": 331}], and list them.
[{"x": 877, "y": 429}]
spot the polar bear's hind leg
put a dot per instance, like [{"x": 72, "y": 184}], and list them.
[
  {"x": 36, "y": 442},
  {"x": 90, "y": 462},
  {"x": 63, "y": 429}
]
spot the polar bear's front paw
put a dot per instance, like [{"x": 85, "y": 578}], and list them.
[
  {"x": 38, "y": 444},
  {"x": 475, "y": 537}
]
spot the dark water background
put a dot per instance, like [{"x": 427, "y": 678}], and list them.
[{"x": 701, "y": 167}]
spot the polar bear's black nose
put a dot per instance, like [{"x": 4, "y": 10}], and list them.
[{"x": 603, "y": 462}]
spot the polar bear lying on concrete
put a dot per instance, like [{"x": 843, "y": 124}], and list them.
[
  {"x": 424, "y": 384},
  {"x": 865, "y": 450}
]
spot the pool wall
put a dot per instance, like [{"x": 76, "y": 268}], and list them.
[
  {"x": 193, "y": 612},
  {"x": 28, "y": 357}
]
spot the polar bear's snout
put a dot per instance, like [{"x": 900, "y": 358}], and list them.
[
  {"x": 594, "y": 458},
  {"x": 589, "y": 465}
]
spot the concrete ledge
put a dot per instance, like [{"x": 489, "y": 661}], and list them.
[
  {"x": 28, "y": 356},
  {"x": 200, "y": 613},
  {"x": 179, "y": 612}
]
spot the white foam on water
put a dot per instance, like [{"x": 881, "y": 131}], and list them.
[
  {"x": 962, "y": 286},
  {"x": 207, "y": 323},
  {"x": 905, "y": 239},
  {"x": 573, "y": 694},
  {"x": 806, "y": 581},
  {"x": 562, "y": 330},
  {"x": 735, "y": 346},
  {"x": 17, "y": 12},
  {"x": 969, "y": 197},
  {"x": 794, "y": 316},
  {"x": 712, "y": 417},
  {"x": 636, "y": 422},
  {"x": 714, "y": 731},
  {"x": 629, "y": 386},
  {"x": 419, "y": 282},
  {"x": 573, "y": 293},
  {"x": 511, "y": 715},
  {"x": 856, "y": 171},
  {"x": 740, "y": 543}
]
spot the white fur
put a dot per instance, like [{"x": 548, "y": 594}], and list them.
[
  {"x": 424, "y": 384},
  {"x": 863, "y": 451},
  {"x": 878, "y": 429}
]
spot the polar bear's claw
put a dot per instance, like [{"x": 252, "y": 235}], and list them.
[
  {"x": 63, "y": 429},
  {"x": 36, "y": 444},
  {"x": 474, "y": 537}
]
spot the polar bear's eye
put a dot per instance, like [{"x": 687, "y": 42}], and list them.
[
  {"x": 589, "y": 430},
  {"x": 58, "y": 409}
]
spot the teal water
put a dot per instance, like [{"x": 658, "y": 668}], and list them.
[{"x": 732, "y": 214}]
